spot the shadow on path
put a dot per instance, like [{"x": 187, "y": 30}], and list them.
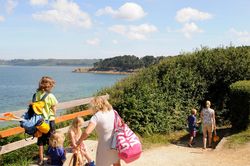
[{"x": 198, "y": 143}]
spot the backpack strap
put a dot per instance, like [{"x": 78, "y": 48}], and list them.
[
  {"x": 44, "y": 96},
  {"x": 34, "y": 97},
  {"x": 42, "y": 99}
]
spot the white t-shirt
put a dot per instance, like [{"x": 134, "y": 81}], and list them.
[{"x": 208, "y": 115}]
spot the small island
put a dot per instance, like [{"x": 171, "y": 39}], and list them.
[{"x": 127, "y": 64}]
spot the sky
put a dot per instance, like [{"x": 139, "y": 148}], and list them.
[{"x": 79, "y": 29}]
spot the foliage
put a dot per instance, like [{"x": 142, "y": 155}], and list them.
[
  {"x": 238, "y": 139},
  {"x": 125, "y": 63},
  {"x": 158, "y": 99},
  {"x": 239, "y": 104}
]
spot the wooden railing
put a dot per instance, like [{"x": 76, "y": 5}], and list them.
[{"x": 25, "y": 142}]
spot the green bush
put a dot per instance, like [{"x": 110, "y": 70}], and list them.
[
  {"x": 158, "y": 99},
  {"x": 239, "y": 105}
]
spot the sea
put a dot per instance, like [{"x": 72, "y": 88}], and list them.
[{"x": 19, "y": 83}]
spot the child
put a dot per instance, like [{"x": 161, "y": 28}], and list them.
[
  {"x": 45, "y": 86},
  {"x": 75, "y": 133},
  {"x": 192, "y": 126},
  {"x": 56, "y": 153}
]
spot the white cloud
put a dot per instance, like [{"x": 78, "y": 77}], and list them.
[
  {"x": 10, "y": 5},
  {"x": 121, "y": 29},
  {"x": 38, "y": 2},
  {"x": 129, "y": 11},
  {"x": 114, "y": 41},
  {"x": 93, "y": 42},
  {"x": 133, "y": 32},
  {"x": 1, "y": 19},
  {"x": 190, "y": 29},
  {"x": 189, "y": 14},
  {"x": 65, "y": 13},
  {"x": 243, "y": 37}
]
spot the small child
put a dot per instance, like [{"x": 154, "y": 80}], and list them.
[
  {"x": 56, "y": 153},
  {"x": 75, "y": 133},
  {"x": 192, "y": 126}
]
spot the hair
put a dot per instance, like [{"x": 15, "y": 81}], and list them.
[
  {"x": 207, "y": 103},
  {"x": 56, "y": 139},
  {"x": 193, "y": 111},
  {"x": 100, "y": 104},
  {"x": 46, "y": 84},
  {"x": 75, "y": 126}
]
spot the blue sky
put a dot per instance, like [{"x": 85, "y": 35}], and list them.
[{"x": 78, "y": 29}]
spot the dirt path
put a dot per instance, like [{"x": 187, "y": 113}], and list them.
[
  {"x": 175, "y": 155},
  {"x": 181, "y": 155}
]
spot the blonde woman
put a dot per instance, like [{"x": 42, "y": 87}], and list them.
[
  {"x": 103, "y": 122},
  {"x": 56, "y": 153},
  {"x": 45, "y": 87},
  {"x": 209, "y": 124},
  {"x": 75, "y": 133}
]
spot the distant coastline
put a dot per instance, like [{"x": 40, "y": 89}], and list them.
[{"x": 93, "y": 70}]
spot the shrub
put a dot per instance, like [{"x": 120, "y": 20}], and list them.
[
  {"x": 239, "y": 105},
  {"x": 159, "y": 98}
]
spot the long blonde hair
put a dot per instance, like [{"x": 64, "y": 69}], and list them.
[
  {"x": 46, "y": 84},
  {"x": 76, "y": 125},
  {"x": 56, "y": 139},
  {"x": 100, "y": 104}
]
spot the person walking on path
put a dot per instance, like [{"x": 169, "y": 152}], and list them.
[
  {"x": 192, "y": 126},
  {"x": 103, "y": 122},
  {"x": 209, "y": 124}
]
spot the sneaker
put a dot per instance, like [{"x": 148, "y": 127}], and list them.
[
  {"x": 92, "y": 163},
  {"x": 189, "y": 145}
]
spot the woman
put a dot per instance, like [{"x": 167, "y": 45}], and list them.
[
  {"x": 103, "y": 122},
  {"x": 209, "y": 124}
]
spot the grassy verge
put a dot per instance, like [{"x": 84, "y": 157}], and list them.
[
  {"x": 161, "y": 139},
  {"x": 238, "y": 139}
]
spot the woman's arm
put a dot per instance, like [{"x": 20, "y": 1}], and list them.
[
  {"x": 86, "y": 133},
  {"x": 214, "y": 120}
]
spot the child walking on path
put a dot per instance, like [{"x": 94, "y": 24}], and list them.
[
  {"x": 75, "y": 133},
  {"x": 44, "y": 88},
  {"x": 192, "y": 126},
  {"x": 56, "y": 153}
]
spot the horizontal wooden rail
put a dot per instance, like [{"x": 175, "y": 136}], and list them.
[
  {"x": 64, "y": 105},
  {"x": 29, "y": 141},
  {"x": 17, "y": 130}
]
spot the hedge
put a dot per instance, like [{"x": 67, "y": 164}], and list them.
[
  {"x": 158, "y": 99},
  {"x": 240, "y": 104}
]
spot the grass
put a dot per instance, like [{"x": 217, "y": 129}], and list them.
[
  {"x": 156, "y": 140},
  {"x": 238, "y": 139}
]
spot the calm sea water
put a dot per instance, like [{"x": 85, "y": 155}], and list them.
[{"x": 18, "y": 84}]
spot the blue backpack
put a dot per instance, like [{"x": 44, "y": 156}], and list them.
[{"x": 32, "y": 120}]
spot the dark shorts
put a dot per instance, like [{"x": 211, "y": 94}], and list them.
[
  {"x": 192, "y": 133},
  {"x": 44, "y": 139}
]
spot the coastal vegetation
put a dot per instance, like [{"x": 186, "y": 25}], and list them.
[
  {"x": 158, "y": 99},
  {"x": 121, "y": 64},
  {"x": 125, "y": 63},
  {"x": 49, "y": 62}
]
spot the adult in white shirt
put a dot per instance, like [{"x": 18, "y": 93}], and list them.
[{"x": 209, "y": 124}]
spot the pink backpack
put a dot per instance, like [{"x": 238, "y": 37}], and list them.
[{"x": 125, "y": 141}]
